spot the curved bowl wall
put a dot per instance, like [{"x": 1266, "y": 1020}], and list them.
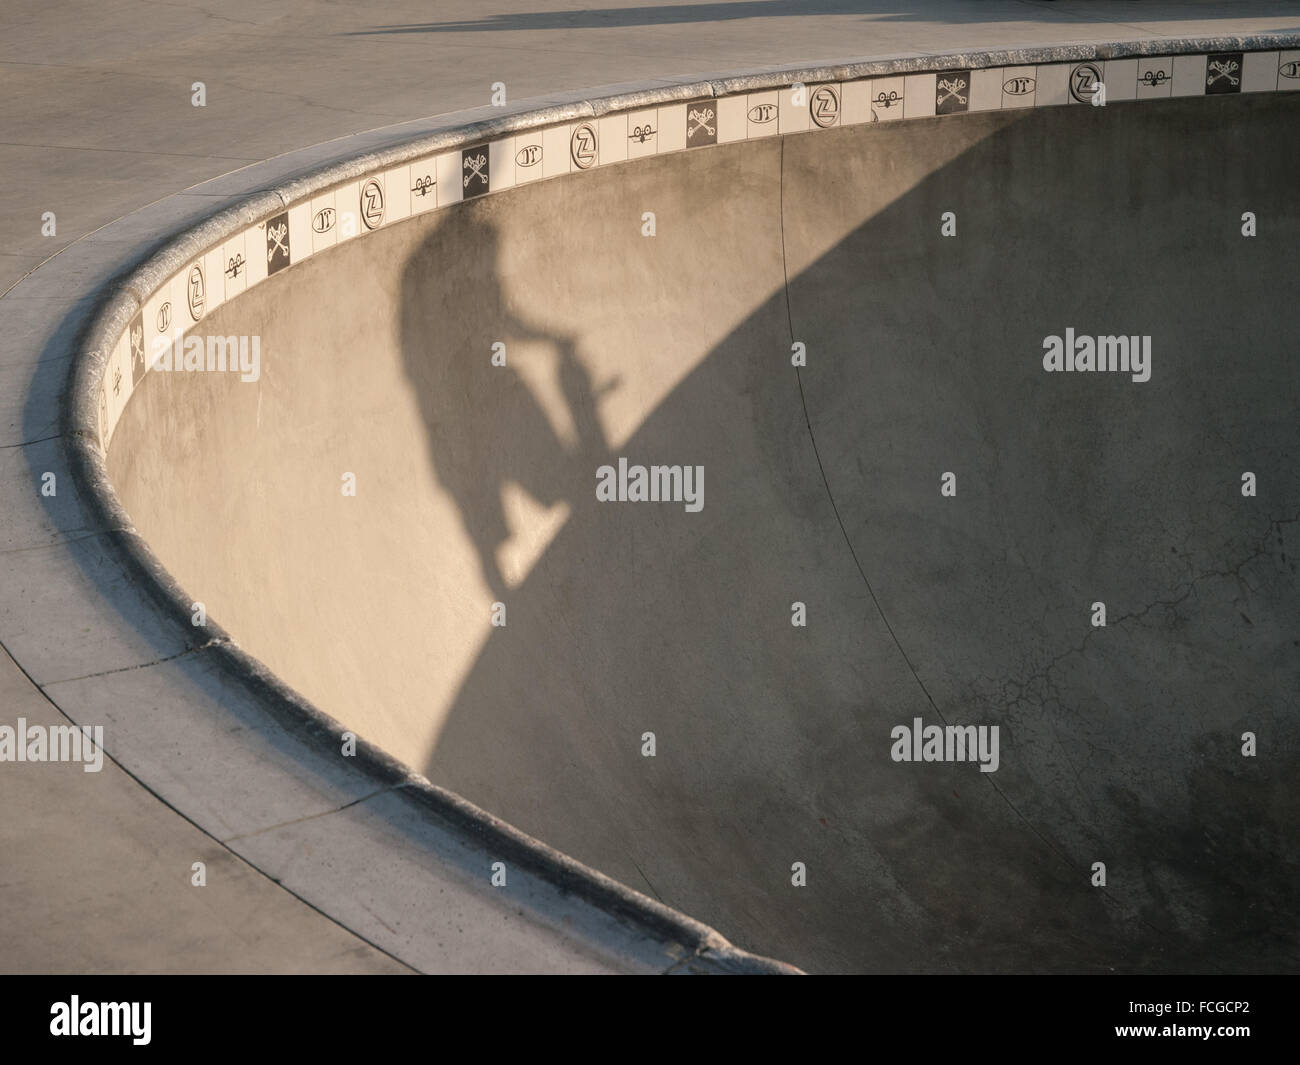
[{"x": 830, "y": 309}]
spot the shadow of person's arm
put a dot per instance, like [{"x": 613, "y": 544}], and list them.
[{"x": 581, "y": 394}]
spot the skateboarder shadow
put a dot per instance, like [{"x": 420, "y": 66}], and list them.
[{"x": 485, "y": 425}]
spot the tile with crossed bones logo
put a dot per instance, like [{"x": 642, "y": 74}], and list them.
[
  {"x": 951, "y": 90},
  {"x": 277, "y": 235},
  {"x": 137, "y": 352},
  {"x": 476, "y": 163},
  {"x": 137, "y": 344},
  {"x": 1220, "y": 70},
  {"x": 701, "y": 120}
]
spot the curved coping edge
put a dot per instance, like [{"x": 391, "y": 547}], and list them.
[{"x": 125, "y": 297}]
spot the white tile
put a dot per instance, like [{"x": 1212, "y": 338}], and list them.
[
  {"x": 372, "y": 202},
  {"x": 555, "y": 151},
  {"x": 1121, "y": 77},
  {"x": 1055, "y": 80},
  {"x": 324, "y": 221},
  {"x": 919, "y": 95},
  {"x": 888, "y": 96},
  {"x": 193, "y": 293},
  {"x": 1260, "y": 73},
  {"x": 613, "y": 139},
  {"x": 672, "y": 128},
  {"x": 101, "y": 409},
  {"x": 986, "y": 89},
  {"x": 856, "y": 103},
  {"x": 761, "y": 114},
  {"x": 584, "y": 145},
  {"x": 528, "y": 156},
  {"x": 642, "y": 133},
  {"x": 234, "y": 266},
  {"x": 300, "y": 242},
  {"x": 152, "y": 336},
  {"x": 1019, "y": 85},
  {"x": 448, "y": 178},
  {"x": 136, "y": 362},
  {"x": 501, "y": 168},
  {"x": 732, "y": 123},
  {"x": 825, "y": 105},
  {"x": 117, "y": 378},
  {"x": 792, "y": 109},
  {"x": 160, "y": 318},
  {"x": 423, "y": 185},
  {"x": 214, "y": 276},
  {"x": 397, "y": 187},
  {"x": 175, "y": 287},
  {"x": 1288, "y": 71},
  {"x": 1189, "y": 76},
  {"x": 1155, "y": 77},
  {"x": 101, "y": 417}
]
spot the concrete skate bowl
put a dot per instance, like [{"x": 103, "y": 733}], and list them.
[{"x": 649, "y": 707}]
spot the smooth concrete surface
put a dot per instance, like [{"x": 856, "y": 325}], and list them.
[
  {"x": 132, "y": 920},
  {"x": 476, "y": 483},
  {"x": 97, "y": 123}
]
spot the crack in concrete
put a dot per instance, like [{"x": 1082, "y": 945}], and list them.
[
  {"x": 219, "y": 641},
  {"x": 53, "y": 543},
  {"x": 1062, "y": 855},
  {"x": 638, "y": 868},
  {"x": 1043, "y": 677},
  {"x": 311, "y": 817},
  {"x": 29, "y": 443},
  {"x": 1130, "y": 911}
]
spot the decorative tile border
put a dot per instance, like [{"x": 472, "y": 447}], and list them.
[{"x": 478, "y": 167}]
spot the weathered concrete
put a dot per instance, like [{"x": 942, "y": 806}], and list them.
[
  {"x": 97, "y": 123},
  {"x": 87, "y": 825},
  {"x": 476, "y": 484}
]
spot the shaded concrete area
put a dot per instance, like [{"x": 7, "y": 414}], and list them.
[{"x": 476, "y": 483}]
